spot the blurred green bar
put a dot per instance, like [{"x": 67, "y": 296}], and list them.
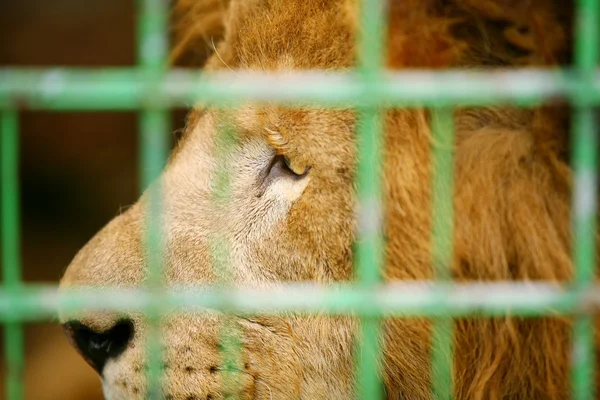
[
  {"x": 585, "y": 159},
  {"x": 154, "y": 126},
  {"x": 369, "y": 246},
  {"x": 11, "y": 253},
  {"x": 409, "y": 299},
  {"x": 153, "y": 42},
  {"x": 230, "y": 345},
  {"x": 372, "y": 38},
  {"x": 442, "y": 200},
  {"x": 584, "y": 360},
  {"x": 585, "y": 165},
  {"x": 154, "y": 146},
  {"x": 587, "y": 36},
  {"x": 11, "y": 256},
  {"x": 132, "y": 89}
]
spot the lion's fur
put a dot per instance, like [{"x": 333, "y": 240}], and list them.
[{"x": 511, "y": 195}]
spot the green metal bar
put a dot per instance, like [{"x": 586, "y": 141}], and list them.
[
  {"x": 585, "y": 159},
  {"x": 442, "y": 125},
  {"x": 369, "y": 248},
  {"x": 583, "y": 379},
  {"x": 153, "y": 43},
  {"x": 230, "y": 349},
  {"x": 154, "y": 152},
  {"x": 371, "y": 38},
  {"x": 154, "y": 126},
  {"x": 11, "y": 253},
  {"x": 587, "y": 40},
  {"x": 127, "y": 89},
  {"x": 409, "y": 299}
]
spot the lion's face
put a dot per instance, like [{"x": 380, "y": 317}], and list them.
[
  {"x": 286, "y": 215},
  {"x": 284, "y": 218}
]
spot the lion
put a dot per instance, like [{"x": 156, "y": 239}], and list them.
[{"x": 290, "y": 214}]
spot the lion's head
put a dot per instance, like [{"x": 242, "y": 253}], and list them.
[{"x": 290, "y": 210}]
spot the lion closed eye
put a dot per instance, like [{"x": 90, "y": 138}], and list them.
[{"x": 290, "y": 209}]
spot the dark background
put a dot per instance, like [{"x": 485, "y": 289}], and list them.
[{"x": 76, "y": 169}]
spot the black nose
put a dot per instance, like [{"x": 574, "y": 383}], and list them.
[{"x": 99, "y": 347}]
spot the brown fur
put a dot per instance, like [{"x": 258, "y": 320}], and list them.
[{"x": 512, "y": 190}]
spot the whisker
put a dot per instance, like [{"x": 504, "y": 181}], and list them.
[
  {"x": 267, "y": 385},
  {"x": 212, "y": 40}
]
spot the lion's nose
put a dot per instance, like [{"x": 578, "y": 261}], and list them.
[{"x": 99, "y": 347}]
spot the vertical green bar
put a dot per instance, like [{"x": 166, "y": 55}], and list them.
[
  {"x": 152, "y": 34},
  {"x": 154, "y": 126},
  {"x": 154, "y": 145},
  {"x": 11, "y": 258},
  {"x": 442, "y": 125},
  {"x": 585, "y": 157},
  {"x": 584, "y": 234},
  {"x": 369, "y": 250},
  {"x": 587, "y": 38},
  {"x": 230, "y": 349}
]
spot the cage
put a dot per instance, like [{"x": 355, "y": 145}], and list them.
[{"x": 152, "y": 89}]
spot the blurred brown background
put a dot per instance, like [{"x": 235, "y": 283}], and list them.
[{"x": 77, "y": 169}]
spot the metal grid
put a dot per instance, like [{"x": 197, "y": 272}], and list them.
[{"x": 153, "y": 89}]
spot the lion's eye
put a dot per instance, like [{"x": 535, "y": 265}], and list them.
[
  {"x": 282, "y": 167},
  {"x": 296, "y": 169}
]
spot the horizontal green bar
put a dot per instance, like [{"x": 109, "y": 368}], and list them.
[
  {"x": 398, "y": 299},
  {"x": 131, "y": 89}
]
